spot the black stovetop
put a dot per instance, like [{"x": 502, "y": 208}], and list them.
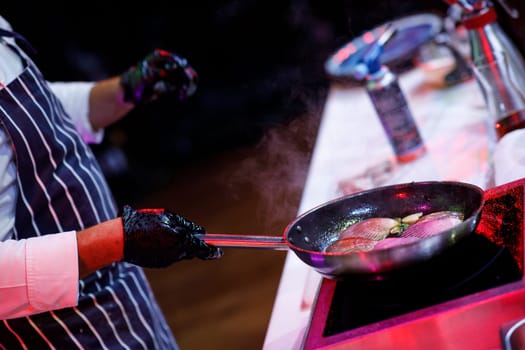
[
  {"x": 473, "y": 265},
  {"x": 491, "y": 257}
]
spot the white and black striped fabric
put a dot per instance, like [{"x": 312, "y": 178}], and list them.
[{"x": 61, "y": 187}]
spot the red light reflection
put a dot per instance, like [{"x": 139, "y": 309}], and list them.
[
  {"x": 369, "y": 37},
  {"x": 402, "y": 195},
  {"x": 344, "y": 53}
]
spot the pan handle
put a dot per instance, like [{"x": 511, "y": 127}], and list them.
[{"x": 244, "y": 241}]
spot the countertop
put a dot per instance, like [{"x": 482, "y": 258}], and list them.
[{"x": 352, "y": 153}]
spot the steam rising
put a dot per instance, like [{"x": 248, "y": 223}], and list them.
[{"x": 279, "y": 170}]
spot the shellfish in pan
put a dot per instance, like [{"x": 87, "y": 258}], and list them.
[{"x": 384, "y": 233}]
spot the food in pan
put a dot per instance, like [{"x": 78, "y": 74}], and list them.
[
  {"x": 430, "y": 224},
  {"x": 383, "y": 233},
  {"x": 351, "y": 245},
  {"x": 375, "y": 229},
  {"x": 391, "y": 242}
]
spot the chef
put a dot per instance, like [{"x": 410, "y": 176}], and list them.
[{"x": 71, "y": 267}]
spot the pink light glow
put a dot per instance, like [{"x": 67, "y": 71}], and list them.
[
  {"x": 369, "y": 37},
  {"x": 345, "y": 52}
]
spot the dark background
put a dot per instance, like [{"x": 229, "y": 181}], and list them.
[{"x": 260, "y": 64}]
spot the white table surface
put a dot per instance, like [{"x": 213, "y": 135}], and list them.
[{"x": 454, "y": 124}]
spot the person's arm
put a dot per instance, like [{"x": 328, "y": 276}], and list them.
[
  {"x": 92, "y": 105},
  {"x": 99, "y": 246},
  {"x": 146, "y": 237},
  {"x": 96, "y": 105},
  {"x": 41, "y": 273},
  {"x": 38, "y": 274},
  {"x": 159, "y": 73},
  {"x": 107, "y": 104}
]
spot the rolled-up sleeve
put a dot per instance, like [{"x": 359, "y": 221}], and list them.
[
  {"x": 74, "y": 96},
  {"x": 38, "y": 274}
]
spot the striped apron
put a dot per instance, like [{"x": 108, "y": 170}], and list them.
[{"x": 61, "y": 188}]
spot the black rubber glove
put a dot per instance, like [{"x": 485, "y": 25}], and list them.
[
  {"x": 157, "y": 238},
  {"x": 160, "y": 73}
]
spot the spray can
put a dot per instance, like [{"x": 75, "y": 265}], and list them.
[
  {"x": 394, "y": 113},
  {"x": 388, "y": 99}
]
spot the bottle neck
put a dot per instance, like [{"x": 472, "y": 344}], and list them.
[
  {"x": 379, "y": 73},
  {"x": 381, "y": 78}
]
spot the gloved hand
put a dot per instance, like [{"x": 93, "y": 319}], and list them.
[
  {"x": 158, "y": 238},
  {"x": 160, "y": 73}
]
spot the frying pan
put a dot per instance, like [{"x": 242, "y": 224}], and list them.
[{"x": 310, "y": 233}]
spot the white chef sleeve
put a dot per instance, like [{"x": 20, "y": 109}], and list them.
[
  {"x": 75, "y": 99},
  {"x": 38, "y": 274}
]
